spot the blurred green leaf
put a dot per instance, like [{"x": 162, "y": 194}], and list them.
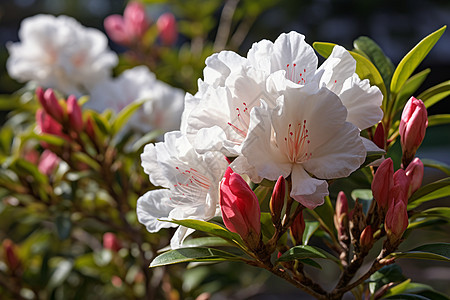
[
  {"x": 63, "y": 226},
  {"x": 310, "y": 228},
  {"x": 304, "y": 251},
  {"x": 431, "y": 191},
  {"x": 193, "y": 254},
  {"x": 431, "y": 163},
  {"x": 411, "y": 60},
  {"x": 376, "y": 56},
  {"x": 438, "y": 251},
  {"x": 146, "y": 139},
  {"x": 438, "y": 120},
  {"x": 435, "y": 94},
  {"x": 48, "y": 138},
  {"x": 9, "y": 102},
  {"x": 60, "y": 274},
  {"x": 124, "y": 115},
  {"x": 409, "y": 88}
]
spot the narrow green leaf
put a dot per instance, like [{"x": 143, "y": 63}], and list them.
[
  {"x": 435, "y": 212},
  {"x": 207, "y": 241},
  {"x": 304, "y": 251},
  {"x": 439, "y": 119},
  {"x": 435, "y": 94},
  {"x": 438, "y": 251},
  {"x": 431, "y": 191},
  {"x": 310, "y": 228},
  {"x": 372, "y": 156},
  {"x": 210, "y": 228},
  {"x": 194, "y": 254},
  {"x": 399, "y": 288},
  {"x": 147, "y": 138},
  {"x": 408, "y": 90},
  {"x": 124, "y": 115},
  {"x": 411, "y": 60},
  {"x": 47, "y": 138},
  {"x": 364, "y": 197},
  {"x": 267, "y": 228},
  {"x": 407, "y": 297},
  {"x": 310, "y": 262},
  {"x": 376, "y": 56},
  {"x": 387, "y": 274},
  {"x": 431, "y": 163}
]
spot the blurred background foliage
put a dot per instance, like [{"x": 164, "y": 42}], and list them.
[{"x": 395, "y": 25}]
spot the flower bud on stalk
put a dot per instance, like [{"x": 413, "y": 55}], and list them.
[
  {"x": 396, "y": 221},
  {"x": 414, "y": 172},
  {"x": 366, "y": 238},
  {"x": 401, "y": 183},
  {"x": 413, "y": 123},
  {"x": 75, "y": 114},
  {"x": 341, "y": 215},
  {"x": 10, "y": 252},
  {"x": 167, "y": 27},
  {"x": 277, "y": 201},
  {"x": 50, "y": 104},
  {"x": 382, "y": 183},
  {"x": 48, "y": 162},
  {"x": 240, "y": 208},
  {"x": 379, "y": 138},
  {"x": 298, "y": 228}
]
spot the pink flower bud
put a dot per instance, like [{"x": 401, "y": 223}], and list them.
[
  {"x": 414, "y": 172},
  {"x": 396, "y": 221},
  {"x": 111, "y": 242},
  {"x": 115, "y": 28},
  {"x": 75, "y": 114},
  {"x": 413, "y": 124},
  {"x": 366, "y": 238},
  {"x": 136, "y": 22},
  {"x": 277, "y": 201},
  {"x": 240, "y": 208},
  {"x": 11, "y": 258},
  {"x": 341, "y": 216},
  {"x": 46, "y": 124},
  {"x": 401, "y": 181},
  {"x": 379, "y": 138},
  {"x": 50, "y": 104},
  {"x": 90, "y": 128},
  {"x": 48, "y": 162},
  {"x": 382, "y": 183},
  {"x": 297, "y": 228},
  {"x": 167, "y": 27}
]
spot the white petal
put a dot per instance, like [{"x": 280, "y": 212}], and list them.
[
  {"x": 241, "y": 166},
  {"x": 220, "y": 65},
  {"x": 307, "y": 190},
  {"x": 151, "y": 167},
  {"x": 342, "y": 154},
  {"x": 152, "y": 206},
  {"x": 362, "y": 101},
  {"x": 210, "y": 139},
  {"x": 179, "y": 236},
  {"x": 259, "y": 55}
]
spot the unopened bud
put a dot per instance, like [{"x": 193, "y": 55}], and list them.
[
  {"x": 240, "y": 208},
  {"x": 167, "y": 27},
  {"x": 366, "y": 238},
  {"x": 382, "y": 183},
  {"x": 298, "y": 228},
  {"x": 396, "y": 221},
  {"x": 90, "y": 130},
  {"x": 135, "y": 19},
  {"x": 277, "y": 201},
  {"x": 413, "y": 123},
  {"x": 48, "y": 162},
  {"x": 11, "y": 258},
  {"x": 75, "y": 114},
  {"x": 414, "y": 172},
  {"x": 111, "y": 242},
  {"x": 379, "y": 138},
  {"x": 401, "y": 186},
  {"x": 341, "y": 214},
  {"x": 50, "y": 104}
]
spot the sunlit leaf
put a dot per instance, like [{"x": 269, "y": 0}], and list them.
[
  {"x": 438, "y": 120},
  {"x": 409, "y": 88},
  {"x": 386, "y": 275},
  {"x": 431, "y": 163},
  {"x": 438, "y": 251},
  {"x": 124, "y": 115},
  {"x": 431, "y": 191},
  {"x": 310, "y": 228},
  {"x": 435, "y": 94},
  {"x": 194, "y": 254},
  {"x": 411, "y": 60},
  {"x": 305, "y": 251}
]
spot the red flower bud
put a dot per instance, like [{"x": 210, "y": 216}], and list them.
[
  {"x": 115, "y": 28},
  {"x": 401, "y": 181},
  {"x": 379, "y": 138},
  {"x": 50, "y": 104},
  {"x": 366, "y": 238},
  {"x": 90, "y": 128},
  {"x": 414, "y": 172},
  {"x": 48, "y": 162},
  {"x": 413, "y": 124},
  {"x": 297, "y": 228},
  {"x": 11, "y": 258},
  {"x": 111, "y": 242},
  {"x": 396, "y": 221},
  {"x": 341, "y": 216},
  {"x": 167, "y": 27},
  {"x": 382, "y": 183},
  {"x": 240, "y": 208},
  {"x": 277, "y": 200},
  {"x": 46, "y": 124},
  {"x": 135, "y": 19},
  {"x": 75, "y": 114}
]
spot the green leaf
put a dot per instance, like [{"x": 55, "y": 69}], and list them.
[
  {"x": 386, "y": 275},
  {"x": 147, "y": 138},
  {"x": 124, "y": 115},
  {"x": 210, "y": 228},
  {"x": 398, "y": 289},
  {"x": 408, "y": 90},
  {"x": 267, "y": 228},
  {"x": 372, "y": 156},
  {"x": 208, "y": 241},
  {"x": 407, "y": 297},
  {"x": 411, "y": 60},
  {"x": 408, "y": 287},
  {"x": 431, "y": 163},
  {"x": 194, "y": 254},
  {"x": 438, "y": 120},
  {"x": 304, "y": 251},
  {"x": 439, "y": 212},
  {"x": 326, "y": 213},
  {"x": 63, "y": 226},
  {"x": 431, "y": 191},
  {"x": 364, "y": 68},
  {"x": 438, "y": 251},
  {"x": 310, "y": 262},
  {"x": 377, "y": 56},
  {"x": 435, "y": 94},
  {"x": 48, "y": 138},
  {"x": 310, "y": 228},
  {"x": 364, "y": 197}
]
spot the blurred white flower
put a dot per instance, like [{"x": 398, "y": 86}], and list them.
[
  {"x": 162, "y": 106},
  {"x": 58, "y": 52},
  {"x": 305, "y": 136},
  {"x": 191, "y": 181}
]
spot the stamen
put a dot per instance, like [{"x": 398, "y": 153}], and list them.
[{"x": 297, "y": 143}]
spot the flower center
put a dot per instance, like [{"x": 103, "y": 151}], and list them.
[
  {"x": 241, "y": 122},
  {"x": 292, "y": 75},
  {"x": 297, "y": 143},
  {"x": 192, "y": 183}
]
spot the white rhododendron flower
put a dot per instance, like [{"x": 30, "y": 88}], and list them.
[
  {"x": 191, "y": 183},
  {"x": 163, "y": 104},
  {"x": 233, "y": 85},
  {"x": 305, "y": 135},
  {"x": 58, "y": 52}
]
